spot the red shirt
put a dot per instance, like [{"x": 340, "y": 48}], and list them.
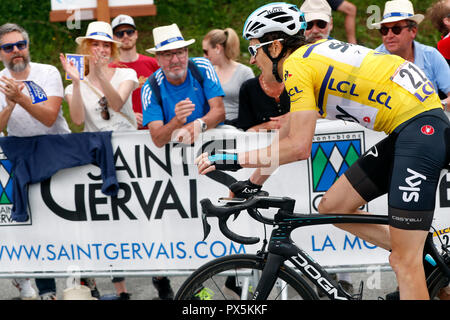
[
  {"x": 444, "y": 46},
  {"x": 144, "y": 67}
]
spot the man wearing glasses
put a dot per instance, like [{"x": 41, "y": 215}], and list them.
[
  {"x": 124, "y": 31},
  {"x": 191, "y": 98},
  {"x": 318, "y": 19},
  {"x": 398, "y": 30},
  {"x": 23, "y": 118}
]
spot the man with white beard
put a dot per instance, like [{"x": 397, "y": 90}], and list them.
[{"x": 318, "y": 18}]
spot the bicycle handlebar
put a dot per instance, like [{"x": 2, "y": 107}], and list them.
[{"x": 251, "y": 204}]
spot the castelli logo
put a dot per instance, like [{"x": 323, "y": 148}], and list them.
[{"x": 427, "y": 129}]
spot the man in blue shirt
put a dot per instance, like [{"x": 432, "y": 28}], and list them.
[
  {"x": 185, "y": 105},
  {"x": 398, "y": 30}
]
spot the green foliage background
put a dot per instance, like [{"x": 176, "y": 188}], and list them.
[{"x": 194, "y": 17}]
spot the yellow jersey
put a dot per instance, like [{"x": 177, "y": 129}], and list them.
[{"x": 354, "y": 83}]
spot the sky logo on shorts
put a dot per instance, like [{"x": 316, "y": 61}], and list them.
[{"x": 427, "y": 130}]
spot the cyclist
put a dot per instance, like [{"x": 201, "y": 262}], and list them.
[{"x": 336, "y": 80}]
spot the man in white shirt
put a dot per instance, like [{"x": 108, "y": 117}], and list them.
[{"x": 23, "y": 118}]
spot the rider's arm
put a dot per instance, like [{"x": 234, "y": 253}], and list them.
[{"x": 294, "y": 145}]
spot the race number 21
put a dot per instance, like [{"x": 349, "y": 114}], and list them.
[{"x": 411, "y": 78}]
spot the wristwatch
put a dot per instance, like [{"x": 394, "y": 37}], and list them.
[{"x": 203, "y": 124}]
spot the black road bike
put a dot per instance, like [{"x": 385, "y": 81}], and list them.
[{"x": 282, "y": 270}]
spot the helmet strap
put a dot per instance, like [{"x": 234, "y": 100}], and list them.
[{"x": 275, "y": 62}]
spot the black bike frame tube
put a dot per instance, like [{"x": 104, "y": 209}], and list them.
[
  {"x": 281, "y": 244},
  {"x": 268, "y": 276}
]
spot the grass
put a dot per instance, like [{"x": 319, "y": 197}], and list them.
[{"x": 194, "y": 17}]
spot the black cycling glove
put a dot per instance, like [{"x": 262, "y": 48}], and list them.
[
  {"x": 246, "y": 189},
  {"x": 225, "y": 161}
]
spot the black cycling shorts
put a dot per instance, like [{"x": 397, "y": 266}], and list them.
[{"x": 406, "y": 165}]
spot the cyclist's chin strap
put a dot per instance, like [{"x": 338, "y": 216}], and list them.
[{"x": 275, "y": 62}]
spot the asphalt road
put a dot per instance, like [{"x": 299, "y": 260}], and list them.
[{"x": 141, "y": 288}]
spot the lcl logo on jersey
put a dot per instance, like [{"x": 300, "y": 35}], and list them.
[{"x": 427, "y": 130}]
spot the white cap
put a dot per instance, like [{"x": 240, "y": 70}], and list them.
[
  {"x": 168, "y": 38},
  {"x": 316, "y": 10},
  {"x": 121, "y": 20},
  {"x": 398, "y": 10}
]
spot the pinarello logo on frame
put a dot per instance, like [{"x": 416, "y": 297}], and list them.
[{"x": 427, "y": 130}]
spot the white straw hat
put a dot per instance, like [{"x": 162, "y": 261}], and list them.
[
  {"x": 78, "y": 293},
  {"x": 98, "y": 30},
  {"x": 397, "y": 10},
  {"x": 316, "y": 10},
  {"x": 168, "y": 38}
]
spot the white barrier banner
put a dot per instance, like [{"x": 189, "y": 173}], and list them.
[{"x": 154, "y": 223}]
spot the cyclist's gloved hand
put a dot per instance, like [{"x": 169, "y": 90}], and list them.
[
  {"x": 225, "y": 161},
  {"x": 246, "y": 189}
]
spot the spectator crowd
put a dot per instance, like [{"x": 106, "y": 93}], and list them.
[{"x": 176, "y": 97}]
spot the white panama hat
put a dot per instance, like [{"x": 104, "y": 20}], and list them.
[
  {"x": 316, "y": 10},
  {"x": 98, "y": 30},
  {"x": 78, "y": 293},
  {"x": 397, "y": 10},
  {"x": 168, "y": 38}
]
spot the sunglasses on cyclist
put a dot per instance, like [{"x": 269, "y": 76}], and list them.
[
  {"x": 9, "y": 47},
  {"x": 321, "y": 24},
  {"x": 395, "y": 29},
  {"x": 253, "y": 50},
  {"x": 104, "y": 108},
  {"x": 120, "y": 34}
]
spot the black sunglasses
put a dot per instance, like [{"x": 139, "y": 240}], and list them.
[
  {"x": 321, "y": 24},
  {"x": 395, "y": 29},
  {"x": 9, "y": 47},
  {"x": 104, "y": 110},
  {"x": 120, "y": 34}
]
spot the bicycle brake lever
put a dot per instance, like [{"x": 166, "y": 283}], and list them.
[{"x": 206, "y": 226}]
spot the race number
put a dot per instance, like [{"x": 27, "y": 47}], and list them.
[
  {"x": 347, "y": 53},
  {"x": 78, "y": 62},
  {"x": 410, "y": 77}
]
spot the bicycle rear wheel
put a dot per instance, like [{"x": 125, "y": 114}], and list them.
[{"x": 212, "y": 281}]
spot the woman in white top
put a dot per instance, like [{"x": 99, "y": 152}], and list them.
[
  {"x": 102, "y": 101},
  {"x": 222, "y": 48}
]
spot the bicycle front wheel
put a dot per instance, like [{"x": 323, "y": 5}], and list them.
[{"x": 235, "y": 277}]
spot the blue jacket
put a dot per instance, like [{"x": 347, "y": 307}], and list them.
[{"x": 37, "y": 158}]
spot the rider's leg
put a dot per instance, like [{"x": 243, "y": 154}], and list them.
[
  {"x": 344, "y": 199},
  {"x": 406, "y": 261}
]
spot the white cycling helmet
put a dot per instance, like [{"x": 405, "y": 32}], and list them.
[{"x": 277, "y": 16}]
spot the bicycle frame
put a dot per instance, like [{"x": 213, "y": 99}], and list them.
[{"x": 282, "y": 248}]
